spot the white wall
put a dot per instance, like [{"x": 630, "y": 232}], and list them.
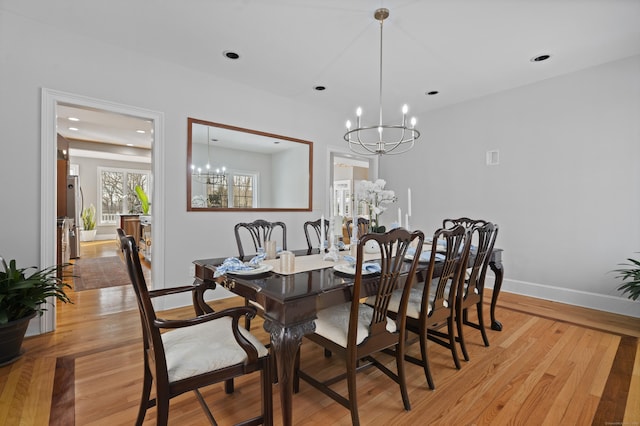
[
  {"x": 33, "y": 56},
  {"x": 566, "y": 194}
]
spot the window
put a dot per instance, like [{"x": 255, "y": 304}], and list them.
[
  {"x": 116, "y": 191},
  {"x": 243, "y": 193},
  {"x": 217, "y": 191},
  {"x": 234, "y": 189}
]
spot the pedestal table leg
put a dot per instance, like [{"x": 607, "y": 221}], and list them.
[
  {"x": 285, "y": 342},
  {"x": 498, "y": 270}
]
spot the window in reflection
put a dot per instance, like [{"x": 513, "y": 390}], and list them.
[{"x": 243, "y": 190}]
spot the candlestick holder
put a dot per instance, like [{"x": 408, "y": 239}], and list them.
[{"x": 332, "y": 253}]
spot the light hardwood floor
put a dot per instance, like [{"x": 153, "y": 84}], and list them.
[{"x": 552, "y": 364}]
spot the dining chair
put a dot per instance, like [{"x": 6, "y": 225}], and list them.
[
  {"x": 258, "y": 232},
  {"x": 188, "y": 354},
  {"x": 483, "y": 238},
  {"x": 314, "y": 225},
  {"x": 356, "y": 331},
  {"x": 482, "y": 245},
  {"x": 432, "y": 302}
]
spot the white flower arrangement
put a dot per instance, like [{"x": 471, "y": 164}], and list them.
[{"x": 377, "y": 199}]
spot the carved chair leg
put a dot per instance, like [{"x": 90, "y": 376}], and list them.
[
  {"x": 459, "y": 324},
  {"x": 401, "y": 376},
  {"x": 144, "y": 400},
  {"x": 267, "y": 392},
  {"x": 353, "y": 399},
  {"x": 162, "y": 410},
  {"x": 452, "y": 343},
  {"x": 425, "y": 360}
]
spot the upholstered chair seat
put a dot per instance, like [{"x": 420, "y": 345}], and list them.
[{"x": 205, "y": 347}]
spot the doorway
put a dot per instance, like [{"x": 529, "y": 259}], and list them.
[
  {"x": 51, "y": 102},
  {"x": 346, "y": 171}
]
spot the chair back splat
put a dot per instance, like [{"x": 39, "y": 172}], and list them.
[
  {"x": 258, "y": 232},
  {"x": 370, "y": 330},
  {"x": 312, "y": 227},
  {"x": 193, "y": 353}
]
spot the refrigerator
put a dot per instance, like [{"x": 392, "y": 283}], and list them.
[{"x": 74, "y": 211}]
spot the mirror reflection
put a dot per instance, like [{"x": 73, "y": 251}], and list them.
[{"x": 232, "y": 168}]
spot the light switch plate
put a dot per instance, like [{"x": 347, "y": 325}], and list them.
[{"x": 493, "y": 157}]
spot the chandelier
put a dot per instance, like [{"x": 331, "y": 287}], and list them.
[
  {"x": 209, "y": 176},
  {"x": 382, "y": 138}
]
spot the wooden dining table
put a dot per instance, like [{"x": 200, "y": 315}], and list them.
[{"x": 290, "y": 303}]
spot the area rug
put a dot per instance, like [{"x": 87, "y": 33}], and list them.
[{"x": 101, "y": 272}]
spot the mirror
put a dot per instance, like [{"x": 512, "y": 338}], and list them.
[{"x": 231, "y": 168}]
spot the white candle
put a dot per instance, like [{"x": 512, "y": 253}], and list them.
[
  {"x": 409, "y": 201},
  {"x": 322, "y": 237},
  {"x": 399, "y": 217},
  {"x": 406, "y": 220}
]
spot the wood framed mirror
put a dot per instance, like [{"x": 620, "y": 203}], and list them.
[{"x": 235, "y": 169}]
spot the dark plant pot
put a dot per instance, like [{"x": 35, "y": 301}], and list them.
[{"x": 11, "y": 337}]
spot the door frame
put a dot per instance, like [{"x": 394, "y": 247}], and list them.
[
  {"x": 48, "y": 140},
  {"x": 333, "y": 151}
]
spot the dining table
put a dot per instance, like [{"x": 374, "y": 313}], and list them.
[{"x": 289, "y": 300}]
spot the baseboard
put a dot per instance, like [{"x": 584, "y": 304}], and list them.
[{"x": 600, "y": 302}]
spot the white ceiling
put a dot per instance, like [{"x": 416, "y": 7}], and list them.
[{"x": 464, "y": 49}]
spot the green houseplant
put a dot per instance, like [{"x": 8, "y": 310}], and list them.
[
  {"x": 23, "y": 295},
  {"x": 631, "y": 278},
  {"x": 144, "y": 200},
  {"x": 88, "y": 217}
]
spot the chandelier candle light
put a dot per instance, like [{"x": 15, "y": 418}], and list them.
[{"x": 383, "y": 138}]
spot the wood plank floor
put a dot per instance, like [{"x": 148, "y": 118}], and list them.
[{"x": 552, "y": 364}]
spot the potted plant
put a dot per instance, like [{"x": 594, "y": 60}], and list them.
[
  {"x": 23, "y": 295},
  {"x": 632, "y": 274},
  {"x": 144, "y": 200},
  {"x": 88, "y": 232}
]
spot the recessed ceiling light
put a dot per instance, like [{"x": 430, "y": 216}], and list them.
[
  {"x": 141, "y": 132},
  {"x": 540, "y": 58},
  {"x": 431, "y": 93},
  {"x": 75, "y": 129},
  {"x": 319, "y": 88},
  {"x": 74, "y": 119},
  {"x": 129, "y": 144},
  {"x": 230, "y": 55}
]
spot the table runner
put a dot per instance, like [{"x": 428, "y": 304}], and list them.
[{"x": 315, "y": 261}]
